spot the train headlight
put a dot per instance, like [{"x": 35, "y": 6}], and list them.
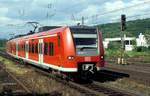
[
  {"x": 102, "y": 57},
  {"x": 70, "y": 57}
]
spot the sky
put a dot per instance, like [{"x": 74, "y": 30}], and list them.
[{"x": 14, "y": 14}]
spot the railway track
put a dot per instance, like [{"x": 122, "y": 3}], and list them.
[
  {"x": 132, "y": 62},
  {"x": 89, "y": 89},
  {"x": 107, "y": 91},
  {"x": 10, "y": 84},
  {"x": 142, "y": 77}
]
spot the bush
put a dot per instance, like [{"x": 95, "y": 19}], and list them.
[
  {"x": 114, "y": 45},
  {"x": 148, "y": 48},
  {"x": 142, "y": 49}
]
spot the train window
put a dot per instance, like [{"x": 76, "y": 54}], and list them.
[
  {"x": 32, "y": 48},
  {"x": 24, "y": 47},
  {"x": 45, "y": 48},
  {"x": 40, "y": 48},
  {"x": 36, "y": 48},
  {"x": 21, "y": 47},
  {"x": 18, "y": 47},
  {"x": 58, "y": 40},
  {"x": 51, "y": 49},
  {"x": 29, "y": 48}
]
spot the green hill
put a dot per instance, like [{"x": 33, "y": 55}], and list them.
[
  {"x": 133, "y": 28},
  {"x": 2, "y": 44}
]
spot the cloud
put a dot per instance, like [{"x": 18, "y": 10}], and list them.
[{"x": 64, "y": 12}]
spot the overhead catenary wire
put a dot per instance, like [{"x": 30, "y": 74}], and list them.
[
  {"x": 112, "y": 11},
  {"x": 118, "y": 19}
]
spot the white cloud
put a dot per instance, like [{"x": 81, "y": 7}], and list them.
[
  {"x": 36, "y": 10},
  {"x": 3, "y": 11},
  {"x": 114, "y": 5}
]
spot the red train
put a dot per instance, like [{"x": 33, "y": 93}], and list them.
[{"x": 76, "y": 51}]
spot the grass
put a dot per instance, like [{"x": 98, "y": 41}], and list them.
[
  {"x": 37, "y": 82},
  {"x": 138, "y": 54},
  {"x": 131, "y": 86},
  {"x": 128, "y": 54},
  {"x": 2, "y": 48},
  {"x": 14, "y": 67}
]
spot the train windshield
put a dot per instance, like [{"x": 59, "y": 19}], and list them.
[{"x": 86, "y": 41}]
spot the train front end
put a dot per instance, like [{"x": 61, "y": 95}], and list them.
[{"x": 88, "y": 52}]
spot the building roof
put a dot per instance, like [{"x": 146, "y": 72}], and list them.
[{"x": 119, "y": 39}]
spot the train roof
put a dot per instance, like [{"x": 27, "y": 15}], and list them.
[
  {"x": 74, "y": 29},
  {"x": 55, "y": 29},
  {"x": 38, "y": 34},
  {"x": 46, "y": 28}
]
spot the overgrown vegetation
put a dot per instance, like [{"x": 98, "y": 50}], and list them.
[
  {"x": 115, "y": 53},
  {"x": 130, "y": 85},
  {"x": 35, "y": 81},
  {"x": 2, "y": 44},
  {"x": 134, "y": 28}
]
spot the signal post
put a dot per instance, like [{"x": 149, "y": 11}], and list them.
[{"x": 121, "y": 59}]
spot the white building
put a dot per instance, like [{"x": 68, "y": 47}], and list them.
[{"x": 140, "y": 41}]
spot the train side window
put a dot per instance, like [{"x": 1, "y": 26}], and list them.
[
  {"x": 32, "y": 48},
  {"x": 36, "y": 48},
  {"x": 40, "y": 48},
  {"x": 18, "y": 48},
  {"x": 45, "y": 48},
  {"x": 58, "y": 40},
  {"x": 51, "y": 49},
  {"x": 21, "y": 47},
  {"x": 29, "y": 48},
  {"x": 24, "y": 47}
]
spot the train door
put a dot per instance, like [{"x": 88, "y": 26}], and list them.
[
  {"x": 40, "y": 51},
  {"x": 27, "y": 49},
  {"x": 17, "y": 49}
]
